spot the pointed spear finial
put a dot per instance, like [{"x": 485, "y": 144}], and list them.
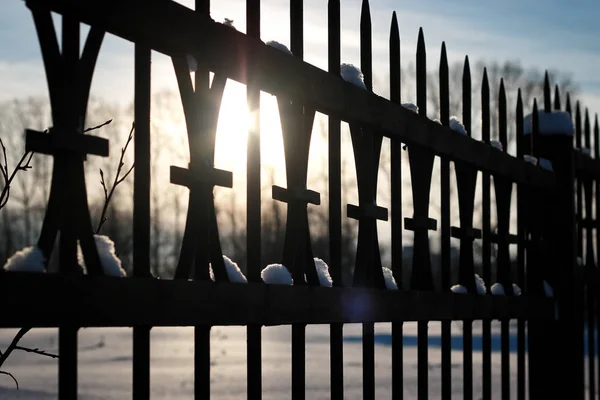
[
  {"x": 578, "y": 138},
  {"x": 556, "y": 98},
  {"x": 502, "y": 126},
  {"x": 485, "y": 107},
  {"x": 520, "y": 122},
  {"x": 596, "y": 138},
  {"x": 535, "y": 126},
  {"x": 587, "y": 130},
  {"x": 395, "y": 69},
  {"x": 421, "y": 74},
  {"x": 547, "y": 98}
]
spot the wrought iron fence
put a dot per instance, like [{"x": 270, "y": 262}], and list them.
[{"x": 551, "y": 215}]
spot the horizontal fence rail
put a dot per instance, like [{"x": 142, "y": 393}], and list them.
[{"x": 97, "y": 302}]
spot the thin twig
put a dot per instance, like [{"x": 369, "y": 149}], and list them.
[
  {"x": 108, "y": 194},
  {"x": 22, "y": 165},
  {"x": 11, "y": 375},
  {"x": 36, "y": 351},
  {"x": 98, "y": 126}
]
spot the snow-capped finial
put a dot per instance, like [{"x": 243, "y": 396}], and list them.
[
  {"x": 353, "y": 74},
  {"x": 279, "y": 46}
]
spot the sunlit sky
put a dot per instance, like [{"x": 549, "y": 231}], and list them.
[{"x": 550, "y": 34}]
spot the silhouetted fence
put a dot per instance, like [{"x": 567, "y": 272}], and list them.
[{"x": 555, "y": 221}]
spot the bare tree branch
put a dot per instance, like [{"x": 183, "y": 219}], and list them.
[
  {"x": 13, "y": 344},
  {"x": 11, "y": 375},
  {"x": 98, "y": 126},
  {"x": 108, "y": 194}
]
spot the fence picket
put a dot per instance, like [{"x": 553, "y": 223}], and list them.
[
  {"x": 503, "y": 198},
  {"x": 141, "y": 213},
  {"x": 445, "y": 225},
  {"x": 486, "y": 330},
  {"x": 521, "y": 333},
  {"x": 396, "y": 211},
  {"x": 253, "y": 211},
  {"x": 335, "y": 203}
]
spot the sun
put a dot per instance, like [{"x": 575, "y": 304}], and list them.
[{"x": 234, "y": 126}]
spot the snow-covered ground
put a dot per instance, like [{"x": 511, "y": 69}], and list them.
[{"x": 105, "y": 363}]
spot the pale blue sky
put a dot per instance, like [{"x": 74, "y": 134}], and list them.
[{"x": 544, "y": 34}]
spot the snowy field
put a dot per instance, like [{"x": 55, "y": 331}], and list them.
[{"x": 105, "y": 360}]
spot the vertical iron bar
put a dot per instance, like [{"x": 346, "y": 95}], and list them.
[
  {"x": 335, "y": 205},
  {"x": 504, "y": 324},
  {"x": 396, "y": 211},
  {"x": 202, "y": 362},
  {"x": 298, "y": 361},
  {"x": 141, "y": 212},
  {"x": 445, "y": 224},
  {"x": 298, "y": 330},
  {"x": 253, "y": 212},
  {"x": 202, "y": 332},
  {"x": 579, "y": 145},
  {"x": 467, "y": 324},
  {"x": 67, "y": 363},
  {"x": 589, "y": 265},
  {"x": 597, "y": 226},
  {"x": 486, "y": 240},
  {"x": 297, "y": 28},
  {"x": 67, "y": 335},
  {"x": 368, "y": 329},
  {"x": 422, "y": 335},
  {"x": 521, "y": 250},
  {"x": 366, "y": 60}
]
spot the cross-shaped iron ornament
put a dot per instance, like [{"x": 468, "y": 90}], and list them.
[
  {"x": 297, "y": 122},
  {"x": 200, "y": 245},
  {"x": 69, "y": 77},
  {"x": 367, "y": 148},
  {"x": 421, "y": 168}
]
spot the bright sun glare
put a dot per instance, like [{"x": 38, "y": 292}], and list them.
[{"x": 234, "y": 123}]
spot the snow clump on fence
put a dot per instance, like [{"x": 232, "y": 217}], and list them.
[
  {"x": 29, "y": 259},
  {"x": 352, "y": 74},
  {"x": 279, "y": 46},
  {"x": 497, "y": 289},
  {"x": 479, "y": 287},
  {"x": 234, "y": 273}
]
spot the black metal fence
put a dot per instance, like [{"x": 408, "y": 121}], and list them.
[{"x": 555, "y": 221}]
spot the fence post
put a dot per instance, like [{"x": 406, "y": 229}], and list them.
[{"x": 554, "y": 346}]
